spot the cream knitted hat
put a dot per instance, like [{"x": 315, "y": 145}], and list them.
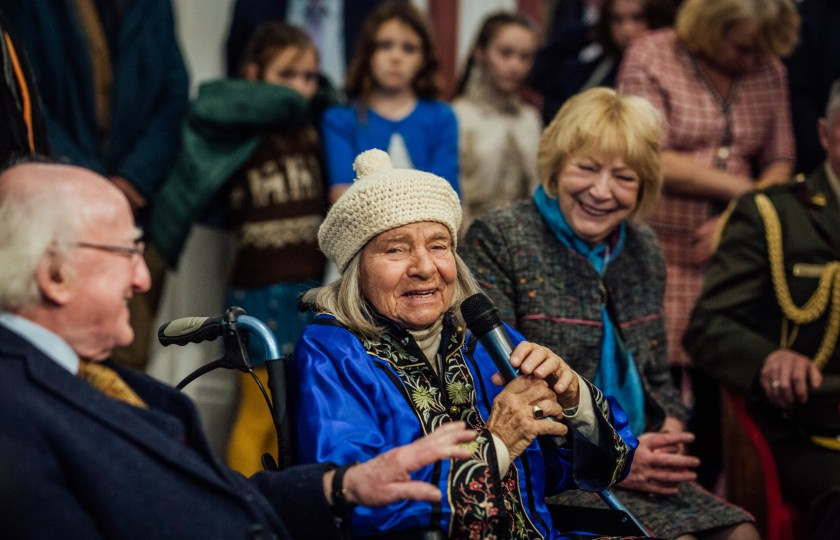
[{"x": 384, "y": 198}]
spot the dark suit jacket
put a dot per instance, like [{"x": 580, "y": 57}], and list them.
[{"x": 75, "y": 463}]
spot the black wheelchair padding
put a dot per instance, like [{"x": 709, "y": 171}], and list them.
[{"x": 280, "y": 413}]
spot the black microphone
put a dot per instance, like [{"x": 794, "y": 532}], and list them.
[{"x": 483, "y": 320}]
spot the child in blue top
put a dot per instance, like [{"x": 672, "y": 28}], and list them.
[{"x": 392, "y": 85}]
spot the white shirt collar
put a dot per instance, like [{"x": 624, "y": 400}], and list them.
[{"x": 42, "y": 339}]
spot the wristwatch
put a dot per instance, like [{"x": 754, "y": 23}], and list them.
[{"x": 341, "y": 507}]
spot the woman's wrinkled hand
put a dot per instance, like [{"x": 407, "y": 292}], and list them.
[
  {"x": 541, "y": 363},
  {"x": 520, "y": 413},
  {"x": 658, "y": 466}
]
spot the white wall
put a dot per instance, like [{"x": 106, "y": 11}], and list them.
[
  {"x": 197, "y": 289},
  {"x": 202, "y": 27},
  {"x": 470, "y": 15}
]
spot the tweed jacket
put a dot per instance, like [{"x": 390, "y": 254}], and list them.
[
  {"x": 553, "y": 296},
  {"x": 75, "y": 463}
]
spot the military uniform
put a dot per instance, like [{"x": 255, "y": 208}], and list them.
[{"x": 738, "y": 320}]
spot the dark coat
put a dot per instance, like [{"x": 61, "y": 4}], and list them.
[
  {"x": 75, "y": 463},
  {"x": 736, "y": 323},
  {"x": 148, "y": 98},
  {"x": 20, "y": 105},
  {"x": 812, "y": 68},
  {"x": 248, "y": 15}
]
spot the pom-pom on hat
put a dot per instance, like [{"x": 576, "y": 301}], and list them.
[{"x": 384, "y": 198}]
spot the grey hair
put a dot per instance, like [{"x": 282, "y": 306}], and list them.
[
  {"x": 37, "y": 223},
  {"x": 344, "y": 298},
  {"x": 833, "y": 101}
]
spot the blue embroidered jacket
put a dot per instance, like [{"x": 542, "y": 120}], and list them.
[{"x": 357, "y": 397}]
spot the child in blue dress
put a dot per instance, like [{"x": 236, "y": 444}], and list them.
[{"x": 392, "y": 86}]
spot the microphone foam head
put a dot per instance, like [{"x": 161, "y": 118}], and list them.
[{"x": 480, "y": 314}]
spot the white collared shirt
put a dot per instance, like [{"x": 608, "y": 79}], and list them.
[{"x": 42, "y": 339}]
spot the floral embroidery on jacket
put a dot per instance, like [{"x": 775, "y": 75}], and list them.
[
  {"x": 602, "y": 407},
  {"x": 483, "y": 505}
]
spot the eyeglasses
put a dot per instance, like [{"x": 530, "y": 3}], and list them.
[{"x": 134, "y": 251}]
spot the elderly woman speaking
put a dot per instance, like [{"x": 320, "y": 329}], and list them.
[{"x": 387, "y": 360}]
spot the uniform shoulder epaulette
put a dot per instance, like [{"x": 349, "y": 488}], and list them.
[{"x": 794, "y": 184}]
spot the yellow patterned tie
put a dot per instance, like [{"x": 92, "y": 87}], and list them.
[{"x": 109, "y": 383}]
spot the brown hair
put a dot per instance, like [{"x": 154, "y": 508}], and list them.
[
  {"x": 657, "y": 14},
  {"x": 488, "y": 30},
  {"x": 427, "y": 84},
  {"x": 269, "y": 39}
]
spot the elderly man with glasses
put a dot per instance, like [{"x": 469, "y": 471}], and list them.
[{"x": 91, "y": 449}]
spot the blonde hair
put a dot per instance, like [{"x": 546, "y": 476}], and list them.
[
  {"x": 345, "y": 299},
  {"x": 702, "y": 24},
  {"x": 604, "y": 122}
]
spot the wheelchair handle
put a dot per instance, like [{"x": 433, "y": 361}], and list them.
[
  {"x": 264, "y": 333},
  {"x": 197, "y": 329},
  {"x": 190, "y": 330}
]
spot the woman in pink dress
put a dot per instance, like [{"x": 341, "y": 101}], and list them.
[{"x": 718, "y": 80}]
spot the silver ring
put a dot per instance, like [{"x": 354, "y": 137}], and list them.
[
  {"x": 776, "y": 383},
  {"x": 538, "y": 412}
]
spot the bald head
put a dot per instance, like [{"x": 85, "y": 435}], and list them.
[
  {"x": 68, "y": 185},
  {"x": 45, "y": 206},
  {"x": 76, "y": 252}
]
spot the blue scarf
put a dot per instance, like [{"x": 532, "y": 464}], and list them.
[{"x": 617, "y": 372}]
